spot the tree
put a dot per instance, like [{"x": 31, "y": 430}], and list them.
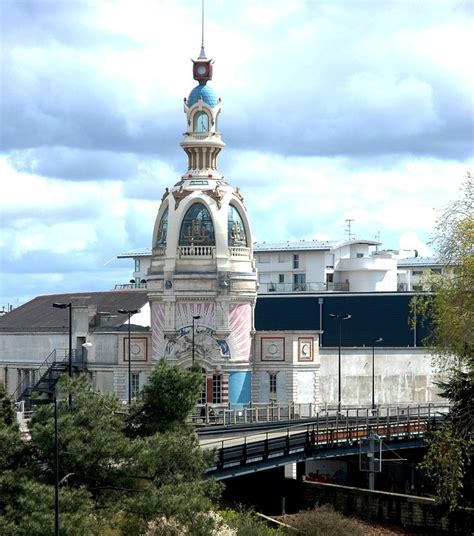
[
  {"x": 109, "y": 480},
  {"x": 450, "y": 309},
  {"x": 167, "y": 399}
]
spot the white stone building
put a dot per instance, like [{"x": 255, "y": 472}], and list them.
[
  {"x": 312, "y": 266},
  {"x": 201, "y": 293},
  {"x": 412, "y": 270}
]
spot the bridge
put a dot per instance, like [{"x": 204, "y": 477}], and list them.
[{"x": 248, "y": 448}]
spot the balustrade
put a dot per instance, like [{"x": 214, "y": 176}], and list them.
[{"x": 196, "y": 251}]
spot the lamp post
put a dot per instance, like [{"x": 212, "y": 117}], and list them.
[
  {"x": 41, "y": 401},
  {"x": 196, "y": 317},
  {"x": 340, "y": 318},
  {"x": 378, "y": 339},
  {"x": 129, "y": 313},
  {"x": 67, "y": 306}
]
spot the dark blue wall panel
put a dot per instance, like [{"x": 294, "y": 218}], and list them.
[{"x": 372, "y": 315}]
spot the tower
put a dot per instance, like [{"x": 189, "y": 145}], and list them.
[{"x": 202, "y": 282}]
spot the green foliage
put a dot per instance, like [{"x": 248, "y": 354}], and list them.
[
  {"x": 446, "y": 462},
  {"x": 168, "y": 399},
  {"x": 26, "y": 508},
  {"x": 450, "y": 309},
  {"x": 7, "y": 411},
  {"x": 93, "y": 450},
  {"x": 110, "y": 482}
]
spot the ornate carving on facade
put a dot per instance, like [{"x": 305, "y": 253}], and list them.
[
  {"x": 216, "y": 194},
  {"x": 238, "y": 194},
  {"x": 179, "y": 196}
]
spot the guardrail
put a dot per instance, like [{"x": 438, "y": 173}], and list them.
[
  {"x": 301, "y": 441},
  {"x": 317, "y": 286},
  {"x": 220, "y": 414}
]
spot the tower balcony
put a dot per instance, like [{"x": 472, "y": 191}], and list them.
[
  {"x": 203, "y": 252},
  {"x": 238, "y": 251}
]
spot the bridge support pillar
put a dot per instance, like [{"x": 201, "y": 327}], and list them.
[{"x": 290, "y": 471}]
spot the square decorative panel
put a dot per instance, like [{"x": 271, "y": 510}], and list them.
[
  {"x": 272, "y": 348},
  {"x": 305, "y": 349},
  {"x": 138, "y": 349}
]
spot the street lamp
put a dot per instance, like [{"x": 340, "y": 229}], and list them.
[
  {"x": 129, "y": 313},
  {"x": 196, "y": 317},
  {"x": 378, "y": 339},
  {"x": 340, "y": 318},
  {"x": 37, "y": 402},
  {"x": 67, "y": 306}
]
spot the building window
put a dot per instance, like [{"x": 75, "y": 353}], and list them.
[
  {"x": 273, "y": 385},
  {"x": 203, "y": 396},
  {"x": 281, "y": 278},
  {"x": 360, "y": 255},
  {"x": 281, "y": 258},
  {"x": 201, "y": 122},
  {"x": 216, "y": 389},
  {"x": 299, "y": 281},
  {"x": 162, "y": 229},
  {"x": 135, "y": 384},
  {"x": 296, "y": 261},
  {"x": 436, "y": 271},
  {"x": 137, "y": 265},
  {"x": 197, "y": 228},
  {"x": 236, "y": 235},
  {"x": 417, "y": 272}
]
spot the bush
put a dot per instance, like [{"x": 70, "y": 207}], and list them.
[{"x": 325, "y": 521}]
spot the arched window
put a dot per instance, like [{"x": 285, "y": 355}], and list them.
[
  {"x": 197, "y": 228},
  {"x": 201, "y": 122},
  {"x": 236, "y": 234},
  {"x": 163, "y": 229}
]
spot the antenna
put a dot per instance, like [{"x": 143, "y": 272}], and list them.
[
  {"x": 348, "y": 228},
  {"x": 202, "y": 53},
  {"x": 377, "y": 238}
]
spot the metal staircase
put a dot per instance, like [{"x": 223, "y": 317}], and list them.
[{"x": 46, "y": 377}]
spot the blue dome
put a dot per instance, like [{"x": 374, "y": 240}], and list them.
[{"x": 206, "y": 93}]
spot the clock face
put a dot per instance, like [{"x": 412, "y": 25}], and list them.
[{"x": 201, "y": 69}]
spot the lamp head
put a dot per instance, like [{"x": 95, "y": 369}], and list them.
[
  {"x": 196, "y": 317},
  {"x": 61, "y": 305}
]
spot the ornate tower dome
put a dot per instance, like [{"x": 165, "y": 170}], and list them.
[{"x": 202, "y": 281}]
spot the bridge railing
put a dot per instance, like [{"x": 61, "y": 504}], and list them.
[
  {"x": 328, "y": 431},
  {"x": 224, "y": 414}
]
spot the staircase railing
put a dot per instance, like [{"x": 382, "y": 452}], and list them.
[{"x": 28, "y": 383}]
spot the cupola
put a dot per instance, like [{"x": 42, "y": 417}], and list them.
[{"x": 202, "y": 141}]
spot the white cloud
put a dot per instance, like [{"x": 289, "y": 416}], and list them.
[{"x": 328, "y": 114}]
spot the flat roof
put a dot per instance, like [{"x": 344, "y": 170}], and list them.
[
  {"x": 419, "y": 261},
  {"x": 139, "y": 252}
]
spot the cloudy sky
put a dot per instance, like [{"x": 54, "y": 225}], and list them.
[{"x": 332, "y": 109}]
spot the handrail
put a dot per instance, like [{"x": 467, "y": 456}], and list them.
[
  {"x": 318, "y": 435},
  {"x": 39, "y": 372},
  {"x": 404, "y": 413},
  {"x": 224, "y": 414}
]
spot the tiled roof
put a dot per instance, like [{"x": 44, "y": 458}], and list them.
[
  {"x": 206, "y": 93},
  {"x": 39, "y": 313}
]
